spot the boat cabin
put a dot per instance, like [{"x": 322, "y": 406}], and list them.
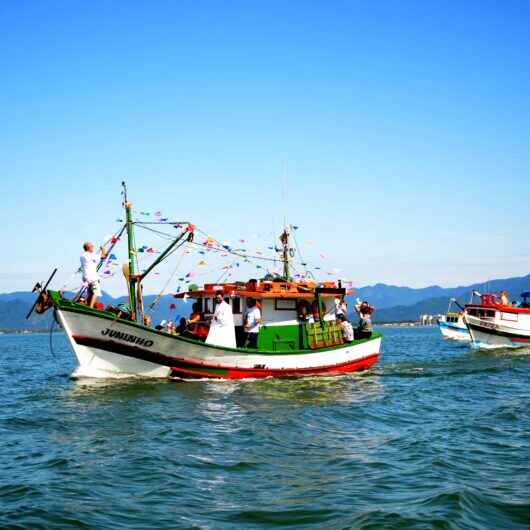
[
  {"x": 292, "y": 313},
  {"x": 452, "y": 317}
]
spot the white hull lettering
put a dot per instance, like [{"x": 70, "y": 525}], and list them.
[{"x": 120, "y": 335}]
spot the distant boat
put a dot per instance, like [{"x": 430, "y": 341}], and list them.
[
  {"x": 493, "y": 324},
  {"x": 453, "y": 326}
]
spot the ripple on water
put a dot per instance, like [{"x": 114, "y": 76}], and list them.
[{"x": 435, "y": 436}]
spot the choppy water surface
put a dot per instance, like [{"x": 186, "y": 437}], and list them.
[{"x": 436, "y": 436}]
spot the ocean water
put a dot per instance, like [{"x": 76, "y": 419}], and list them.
[{"x": 435, "y": 436}]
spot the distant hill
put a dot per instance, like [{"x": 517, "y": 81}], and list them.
[
  {"x": 13, "y": 313},
  {"x": 392, "y": 303},
  {"x": 382, "y": 296},
  {"x": 15, "y": 306},
  {"x": 401, "y": 313}
]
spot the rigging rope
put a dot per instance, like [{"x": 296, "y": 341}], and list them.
[
  {"x": 154, "y": 303},
  {"x": 216, "y": 246}
]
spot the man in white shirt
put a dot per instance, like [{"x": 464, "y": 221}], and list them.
[
  {"x": 222, "y": 331},
  {"x": 252, "y": 323},
  {"x": 89, "y": 263}
]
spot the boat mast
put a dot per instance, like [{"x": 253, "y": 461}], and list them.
[
  {"x": 132, "y": 276},
  {"x": 284, "y": 239}
]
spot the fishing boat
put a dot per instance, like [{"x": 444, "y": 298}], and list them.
[
  {"x": 494, "y": 324},
  {"x": 121, "y": 343},
  {"x": 452, "y": 325}
]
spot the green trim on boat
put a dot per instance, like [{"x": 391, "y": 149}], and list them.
[{"x": 275, "y": 335}]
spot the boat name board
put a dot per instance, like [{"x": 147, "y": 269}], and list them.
[
  {"x": 489, "y": 325},
  {"x": 114, "y": 334}
]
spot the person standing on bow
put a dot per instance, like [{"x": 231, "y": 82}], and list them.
[
  {"x": 252, "y": 323},
  {"x": 222, "y": 330},
  {"x": 89, "y": 269}
]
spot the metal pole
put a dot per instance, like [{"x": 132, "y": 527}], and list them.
[{"x": 132, "y": 252}]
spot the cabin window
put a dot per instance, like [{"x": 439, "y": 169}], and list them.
[
  {"x": 281, "y": 304},
  {"x": 486, "y": 313},
  {"x": 207, "y": 306}
]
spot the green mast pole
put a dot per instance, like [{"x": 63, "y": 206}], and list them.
[
  {"x": 284, "y": 238},
  {"x": 131, "y": 280}
]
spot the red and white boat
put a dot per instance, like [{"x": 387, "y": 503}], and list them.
[
  {"x": 492, "y": 324},
  {"x": 110, "y": 343}
]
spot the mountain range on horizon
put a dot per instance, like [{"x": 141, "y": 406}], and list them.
[{"x": 392, "y": 303}]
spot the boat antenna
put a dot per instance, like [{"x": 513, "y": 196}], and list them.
[{"x": 284, "y": 236}]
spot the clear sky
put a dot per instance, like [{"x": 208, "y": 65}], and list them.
[{"x": 398, "y": 130}]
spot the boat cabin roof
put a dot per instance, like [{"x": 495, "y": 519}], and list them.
[{"x": 268, "y": 289}]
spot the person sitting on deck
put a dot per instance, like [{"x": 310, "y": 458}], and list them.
[
  {"x": 303, "y": 308},
  {"x": 252, "y": 323},
  {"x": 364, "y": 328},
  {"x": 182, "y": 327},
  {"x": 346, "y": 328},
  {"x": 89, "y": 263},
  {"x": 196, "y": 328}
]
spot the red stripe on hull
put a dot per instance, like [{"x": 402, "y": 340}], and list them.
[
  {"x": 519, "y": 339},
  {"x": 254, "y": 373}
]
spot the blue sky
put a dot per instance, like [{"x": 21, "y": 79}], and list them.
[{"x": 400, "y": 131}]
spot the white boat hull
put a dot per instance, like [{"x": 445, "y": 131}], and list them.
[
  {"x": 497, "y": 333},
  {"x": 114, "y": 348},
  {"x": 454, "y": 332},
  {"x": 95, "y": 362}
]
